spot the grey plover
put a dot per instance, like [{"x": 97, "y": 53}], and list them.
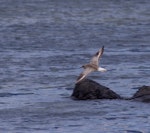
[{"x": 92, "y": 66}]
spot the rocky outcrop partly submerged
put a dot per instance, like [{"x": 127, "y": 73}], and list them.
[
  {"x": 89, "y": 89},
  {"x": 143, "y": 94}
]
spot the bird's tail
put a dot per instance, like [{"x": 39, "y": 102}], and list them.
[{"x": 102, "y": 69}]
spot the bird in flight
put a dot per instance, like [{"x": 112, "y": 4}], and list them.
[{"x": 92, "y": 66}]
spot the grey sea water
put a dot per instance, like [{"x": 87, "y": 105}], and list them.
[{"x": 43, "y": 43}]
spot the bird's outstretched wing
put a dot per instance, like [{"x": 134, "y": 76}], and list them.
[
  {"x": 84, "y": 74},
  {"x": 97, "y": 56}
]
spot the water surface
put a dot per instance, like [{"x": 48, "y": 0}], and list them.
[{"x": 43, "y": 43}]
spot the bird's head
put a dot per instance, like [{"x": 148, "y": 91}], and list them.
[{"x": 83, "y": 66}]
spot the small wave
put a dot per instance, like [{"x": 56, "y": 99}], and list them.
[{"x": 13, "y": 94}]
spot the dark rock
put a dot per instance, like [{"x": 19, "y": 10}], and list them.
[
  {"x": 143, "y": 94},
  {"x": 89, "y": 89}
]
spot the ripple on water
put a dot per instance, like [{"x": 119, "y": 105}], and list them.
[{"x": 42, "y": 46}]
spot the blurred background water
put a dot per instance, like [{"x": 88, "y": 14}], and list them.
[{"x": 43, "y": 44}]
